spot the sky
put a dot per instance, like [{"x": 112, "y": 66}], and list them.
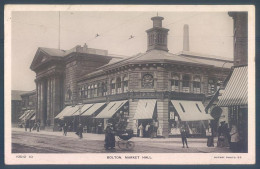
[{"x": 210, "y": 33}]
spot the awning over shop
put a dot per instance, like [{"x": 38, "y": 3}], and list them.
[
  {"x": 24, "y": 114},
  {"x": 111, "y": 109},
  {"x": 82, "y": 109},
  {"x": 63, "y": 112},
  {"x": 33, "y": 117},
  {"x": 92, "y": 109},
  {"x": 236, "y": 90},
  {"x": 71, "y": 111},
  {"x": 30, "y": 114},
  {"x": 145, "y": 109},
  {"x": 191, "y": 110}
]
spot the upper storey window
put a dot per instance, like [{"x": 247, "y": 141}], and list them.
[
  {"x": 175, "y": 83},
  {"x": 125, "y": 84},
  {"x": 147, "y": 81},
  {"x": 211, "y": 86},
  {"x": 186, "y": 83},
  {"x": 196, "y": 85},
  {"x": 118, "y": 85},
  {"x": 104, "y": 89},
  {"x": 113, "y": 86}
]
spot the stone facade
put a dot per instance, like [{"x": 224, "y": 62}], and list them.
[{"x": 83, "y": 75}]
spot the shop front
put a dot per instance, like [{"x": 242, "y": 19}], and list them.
[{"x": 192, "y": 113}]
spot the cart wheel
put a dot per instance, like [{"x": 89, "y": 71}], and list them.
[
  {"x": 130, "y": 145},
  {"x": 121, "y": 144}
]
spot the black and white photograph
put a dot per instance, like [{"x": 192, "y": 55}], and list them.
[{"x": 129, "y": 84}]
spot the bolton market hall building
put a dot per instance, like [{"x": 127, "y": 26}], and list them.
[{"x": 91, "y": 87}]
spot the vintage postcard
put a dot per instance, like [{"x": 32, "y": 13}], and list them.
[{"x": 129, "y": 84}]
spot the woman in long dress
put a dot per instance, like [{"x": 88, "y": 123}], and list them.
[
  {"x": 141, "y": 130},
  {"x": 234, "y": 138},
  {"x": 109, "y": 138}
]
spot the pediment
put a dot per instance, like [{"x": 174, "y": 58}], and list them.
[{"x": 39, "y": 58}]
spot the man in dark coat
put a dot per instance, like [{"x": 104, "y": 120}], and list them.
[
  {"x": 65, "y": 129},
  {"x": 80, "y": 131},
  {"x": 109, "y": 138},
  {"x": 184, "y": 133}
]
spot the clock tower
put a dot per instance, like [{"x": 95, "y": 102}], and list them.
[{"x": 157, "y": 36}]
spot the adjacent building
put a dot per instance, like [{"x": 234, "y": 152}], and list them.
[{"x": 90, "y": 86}]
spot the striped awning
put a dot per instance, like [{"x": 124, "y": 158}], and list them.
[
  {"x": 24, "y": 114},
  {"x": 111, "y": 109},
  {"x": 145, "y": 109},
  {"x": 33, "y": 117},
  {"x": 82, "y": 109},
  {"x": 30, "y": 115},
  {"x": 92, "y": 109},
  {"x": 236, "y": 90},
  {"x": 190, "y": 110},
  {"x": 63, "y": 112},
  {"x": 71, "y": 111}
]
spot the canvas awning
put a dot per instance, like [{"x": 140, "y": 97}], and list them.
[
  {"x": 92, "y": 109},
  {"x": 71, "y": 111},
  {"x": 82, "y": 109},
  {"x": 236, "y": 90},
  {"x": 111, "y": 109},
  {"x": 33, "y": 117},
  {"x": 191, "y": 110},
  {"x": 24, "y": 114},
  {"x": 145, "y": 109},
  {"x": 30, "y": 114},
  {"x": 63, "y": 112}
]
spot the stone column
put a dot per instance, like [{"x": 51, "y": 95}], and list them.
[
  {"x": 48, "y": 99},
  {"x": 37, "y": 100},
  {"x": 41, "y": 105},
  {"x": 132, "y": 111},
  {"x": 162, "y": 115}
]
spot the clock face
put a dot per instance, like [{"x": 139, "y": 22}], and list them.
[{"x": 147, "y": 81}]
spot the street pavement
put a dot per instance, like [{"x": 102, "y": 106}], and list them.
[{"x": 55, "y": 142}]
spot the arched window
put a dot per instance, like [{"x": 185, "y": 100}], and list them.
[
  {"x": 104, "y": 89},
  {"x": 125, "y": 84},
  {"x": 175, "y": 83},
  {"x": 99, "y": 89},
  {"x": 118, "y": 85},
  {"x": 95, "y": 90},
  {"x": 211, "y": 86},
  {"x": 113, "y": 86},
  {"x": 86, "y": 91},
  {"x": 89, "y": 91},
  {"x": 82, "y": 92},
  {"x": 186, "y": 83},
  {"x": 92, "y": 91},
  {"x": 69, "y": 93},
  {"x": 196, "y": 85}
]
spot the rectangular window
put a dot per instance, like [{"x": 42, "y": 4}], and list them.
[{"x": 175, "y": 85}]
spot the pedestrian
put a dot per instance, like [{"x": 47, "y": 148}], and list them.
[
  {"x": 65, "y": 129},
  {"x": 109, "y": 138},
  {"x": 210, "y": 136},
  {"x": 26, "y": 124},
  {"x": 156, "y": 126},
  {"x": 80, "y": 131},
  {"x": 141, "y": 130},
  {"x": 234, "y": 138},
  {"x": 147, "y": 130},
  {"x": 222, "y": 135},
  {"x": 38, "y": 126},
  {"x": 184, "y": 133},
  {"x": 30, "y": 126}
]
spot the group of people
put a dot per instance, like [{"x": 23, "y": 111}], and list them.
[
  {"x": 228, "y": 137},
  {"x": 149, "y": 130},
  {"x": 32, "y": 125}
]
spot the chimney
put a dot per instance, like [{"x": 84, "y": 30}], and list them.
[{"x": 186, "y": 38}]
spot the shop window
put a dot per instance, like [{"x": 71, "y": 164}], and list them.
[
  {"x": 147, "y": 81},
  {"x": 113, "y": 86},
  {"x": 196, "y": 85},
  {"x": 186, "y": 84},
  {"x": 99, "y": 89},
  {"x": 92, "y": 91},
  {"x": 118, "y": 85},
  {"x": 175, "y": 83},
  {"x": 125, "y": 84}
]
